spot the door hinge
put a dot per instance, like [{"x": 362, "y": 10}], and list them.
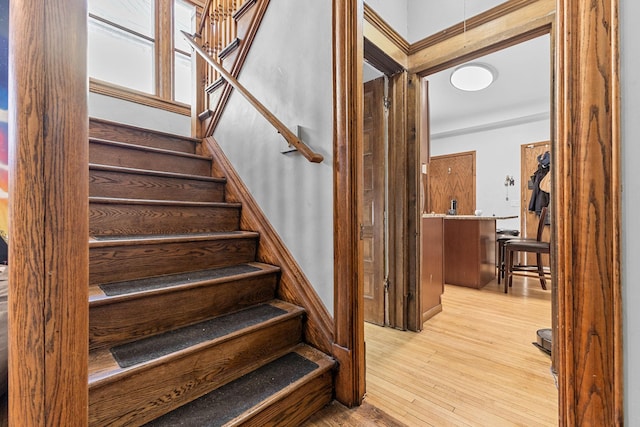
[
  {"x": 361, "y": 231},
  {"x": 386, "y": 284},
  {"x": 386, "y": 101}
]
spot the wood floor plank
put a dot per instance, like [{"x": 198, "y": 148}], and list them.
[{"x": 473, "y": 364}]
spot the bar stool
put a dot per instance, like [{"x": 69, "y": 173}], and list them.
[
  {"x": 501, "y": 237},
  {"x": 536, "y": 246}
]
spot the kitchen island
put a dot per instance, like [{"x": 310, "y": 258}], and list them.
[{"x": 469, "y": 247}]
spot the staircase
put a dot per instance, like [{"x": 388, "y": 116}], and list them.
[{"x": 184, "y": 326}]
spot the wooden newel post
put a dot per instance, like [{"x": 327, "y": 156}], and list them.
[{"x": 48, "y": 213}]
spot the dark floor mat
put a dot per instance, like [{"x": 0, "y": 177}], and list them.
[
  {"x": 151, "y": 283},
  {"x": 231, "y": 400},
  {"x": 159, "y": 345},
  {"x": 109, "y": 238}
]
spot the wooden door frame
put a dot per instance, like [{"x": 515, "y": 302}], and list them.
[
  {"x": 400, "y": 244},
  {"x": 48, "y": 213},
  {"x": 586, "y": 153}
]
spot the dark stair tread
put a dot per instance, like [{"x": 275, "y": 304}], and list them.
[
  {"x": 106, "y": 241},
  {"x": 135, "y": 171},
  {"x": 112, "y": 292},
  {"x": 147, "y": 148},
  {"x": 137, "y": 355},
  {"x": 144, "y": 130},
  {"x": 248, "y": 393},
  {"x": 125, "y": 201}
]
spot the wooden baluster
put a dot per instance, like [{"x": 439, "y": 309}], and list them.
[
  {"x": 234, "y": 32},
  {"x": 215, "y": 39},
  {"x": 227, "y": 17}
]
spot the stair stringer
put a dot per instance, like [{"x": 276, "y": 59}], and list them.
[{"x": 294, "y": 286}]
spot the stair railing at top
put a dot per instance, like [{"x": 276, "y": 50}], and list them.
[
  {"x": 217, "y": 29},
  {"x": 280, "y": 127}
]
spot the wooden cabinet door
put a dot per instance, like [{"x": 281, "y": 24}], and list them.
[
  {"x": 372, "y": 228},
  {"x": 452, "y": 176}
]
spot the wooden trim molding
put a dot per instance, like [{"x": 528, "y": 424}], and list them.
[
  {"x": 490, "y": 15},
  {"x": 531, "y": 19},
  {"x": 381, "y": 25},
  {"x": 586, "y": 180},
  {"x": 48, "y": 213},
  {"x": 587, "y": 183},
  {"x": 115, "y": 91},
  {"x": 294, "y": 286},
  {"x": 348, "y": 54}
]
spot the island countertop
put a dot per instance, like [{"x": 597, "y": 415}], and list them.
[{"x": 468, "y": 217}]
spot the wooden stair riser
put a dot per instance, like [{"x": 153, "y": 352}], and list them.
[
  {"x": 113, "y": 219},
  {"x": 132, "y": 400},
  {"x": 105, "y": 183},
  {"x": 134, "y": 318},
  {"x": 296, "y": 406},
  {"x": 118, "y": 263},
  {"x": 133, "y": 135},
  {"x": 135, "y": 157}
]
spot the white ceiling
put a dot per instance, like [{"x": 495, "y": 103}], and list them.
[{"x": 522, "y": 89}]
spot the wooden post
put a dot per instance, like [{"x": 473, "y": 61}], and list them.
[
  {"x": 48, "y": 213},
  {"x": 588, "y": 211},
  {"x": 348, "y": 298}
]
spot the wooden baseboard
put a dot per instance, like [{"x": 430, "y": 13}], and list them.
[{"x": 431, "y": 312}]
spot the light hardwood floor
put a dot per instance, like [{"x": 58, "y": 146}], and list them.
[{"x": 474, "y": 364}]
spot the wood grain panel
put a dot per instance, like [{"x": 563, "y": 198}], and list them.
[
  {"x": 107, "y": 181},
  {"x": 159, "y": 388},
  {"x": 48, "y": 213},
  {"x": 138, "y": 157},
  {"x": 431, "y": 267},
  {"x": 120, "y": 319},
  {"x": 130, "y": 217},
  {"x": 588, "y": 191},
  {"x": 347, "y": 186},
  {"x": 373, "y": 224},
  {"x": 104, "y": 129},
  {"x": 452, "y": 177},
  {"x": 119, "y": 260}
]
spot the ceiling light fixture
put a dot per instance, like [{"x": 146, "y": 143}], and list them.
[{"x": 473, "y": 76}]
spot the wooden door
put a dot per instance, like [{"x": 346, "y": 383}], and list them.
[
  {"x": 529, "y": 220},
  {"x": 452, "y": 176},
  {"x": 372, "y": 227}
]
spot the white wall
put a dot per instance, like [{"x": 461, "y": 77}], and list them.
[
  {"x": 394, "y": 13},
  {"x": 427, "y": 17},
  {"x": 497, "y": 155},
  {"x": 289, "y": 69},
  {"x": 117, "y": 110},
  {"x": 630, "y": 89}
]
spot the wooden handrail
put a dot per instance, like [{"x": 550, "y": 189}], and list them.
[{"x": 280, "y": 127}]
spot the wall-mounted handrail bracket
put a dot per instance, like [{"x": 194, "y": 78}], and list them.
[{"x": 291, "y": 138}]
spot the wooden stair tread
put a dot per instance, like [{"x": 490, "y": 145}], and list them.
[
  {"x": 144, "y": 130},
  {"x": 101, "y": 294},
  {"x": 121, "y": 169},
  {"x": 106, "y": 241},
  {"x": 104, "y": 367},
  {"x": 117, "y": 200},
  {"x": 239, "y": 401},
  {"x": 147, "y": 148}
]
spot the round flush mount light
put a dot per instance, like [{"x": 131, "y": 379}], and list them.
[{"x": 473, "y": 77}]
